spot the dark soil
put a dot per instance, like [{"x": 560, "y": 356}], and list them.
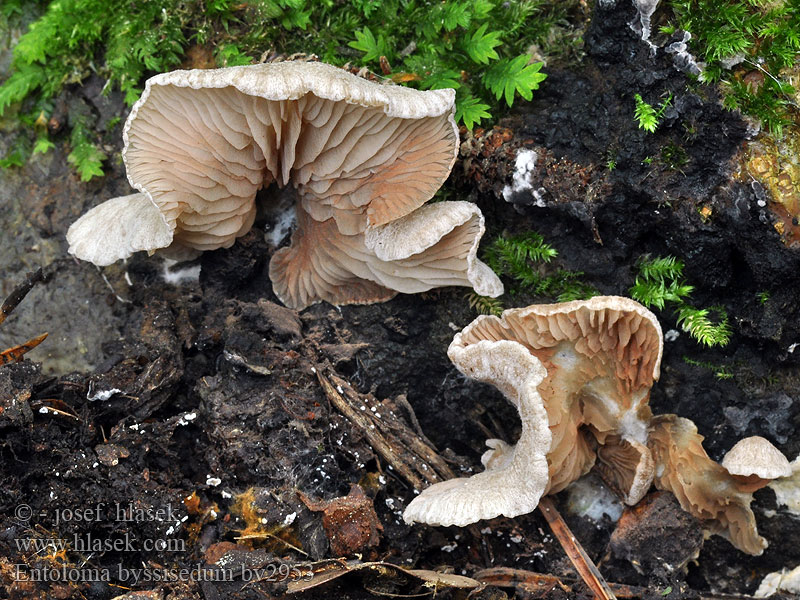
[{"x": 189, "y": 416}]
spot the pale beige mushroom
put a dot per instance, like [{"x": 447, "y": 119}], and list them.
[
  {"x": 754, "y": 462},
  {"x": 703, "y": 487},
  {"x": 515, "y": 477},
  {"x": 200, "y": 144},
  {"x": 600, "y": 358},
  {"x": 118, "y": 228},
  {"x": 434, "y": 246}
]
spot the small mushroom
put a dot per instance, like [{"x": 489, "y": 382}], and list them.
[
  {"x": 754, "y": 462},
  {"x": 703, "y": 487},
  {"x": 199, "y": 144},
  {"x": 580, "y": 375}
]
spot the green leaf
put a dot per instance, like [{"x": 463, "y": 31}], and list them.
[
  {"x": 20, "y": 85},
  {"x": 470, "y": 111},
  {"x": 649, "y": 293},
  {"x": 33, "y": 46},
  {"x": 86, "y": 157},
  {"x": 700, "y": 326},
  {"x": 660, "y": 268},
  {"x": 481, "y": 9},
  {"x": 87, "y": 160},
  {"x": 511, "y": 76},
  {"x": 367, "y": 7},
  {"x": 365, "y": 42},
  {"x": 481, "y": 45},
  {"x": 218, "y": 7},
  {"x": 442, "y": 79},
  {"x": 229, "y": 55},
  {"x": 296, "y": 18},
  {"x": 43, "y": 145},
  {"x": 456, "y": 14},
  {"x": 17, "y": 155}
]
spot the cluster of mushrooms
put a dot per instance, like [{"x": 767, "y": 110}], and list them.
[
  {"x": 363, "y": 159},
  {"x": 580, "y": 374}
]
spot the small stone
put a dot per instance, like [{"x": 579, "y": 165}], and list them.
[
  {"x": 109, "y": 454},
  {"x": 656, "y": 535}
]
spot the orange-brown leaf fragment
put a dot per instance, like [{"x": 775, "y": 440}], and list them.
[{"x": 350, "y": 522}]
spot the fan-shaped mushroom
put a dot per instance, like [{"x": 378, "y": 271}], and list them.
[
  {"x": 703, "y": 487},
  {"x": 580, "y": 374},
  {"x": 200, "y": 144}
]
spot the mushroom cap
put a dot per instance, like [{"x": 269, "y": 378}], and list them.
[
  {"x": 117, "y": 228},
  {"x": 201, "y": 143},
  {"x": 620, "y": 327},
  {"x": 756, "y": 456},
  {"x": 513, "y": 483}
]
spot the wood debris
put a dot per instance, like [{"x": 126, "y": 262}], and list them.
[
  {"x": 409, "y": 455},
  {"x": 16, "y": 353}
]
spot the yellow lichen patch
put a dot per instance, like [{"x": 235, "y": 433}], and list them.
[
  {"x": 244, "y": 508},
  {"x": 258, "y": 530},
  {"x": 775, "y": 164}
]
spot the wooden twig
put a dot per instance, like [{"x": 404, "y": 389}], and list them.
[
  {"x": 577, "y": 555},
  {"x": 47, "y": 406},
  {"x": 413, "y": 459},
  {"x": 17, "y": 352},
  {"x": 16, "y": 296},
  {"x": 537, "y": 582}
]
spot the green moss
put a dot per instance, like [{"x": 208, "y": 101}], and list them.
[
  {"x": 720, "y": 371},
  {"x": 485, "y": 305},
  {"x": 674, "y": 157},
  {"x": 765, "y": 35},
  {"x": 521, "y": 260},
  {"x": 478, "y": 47},
  {"x": 648, "y": 117},
  {"x": 660, "y": 283}
]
